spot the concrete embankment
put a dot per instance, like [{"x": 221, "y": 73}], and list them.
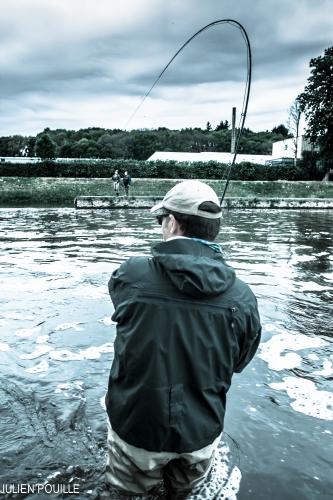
[{"x": 110, "y": 202}]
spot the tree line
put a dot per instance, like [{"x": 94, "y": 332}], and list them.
[
  {"x": 101, "y": 143},
  {"x": 316, "y": 102}
]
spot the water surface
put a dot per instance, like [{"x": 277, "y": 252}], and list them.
[{"x": 56, "y": 349}]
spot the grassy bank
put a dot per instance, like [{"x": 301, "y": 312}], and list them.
[{"x": 23, "y": 190}]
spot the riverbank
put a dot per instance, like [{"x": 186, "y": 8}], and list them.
[
  {"x": 113, "y": 202},
  {"x": 55, "y": 191}
]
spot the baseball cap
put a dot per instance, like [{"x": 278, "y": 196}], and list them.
[{"x": 186, "y": 197}]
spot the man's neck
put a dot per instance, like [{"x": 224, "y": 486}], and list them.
[{"x": 177, "y": 237}]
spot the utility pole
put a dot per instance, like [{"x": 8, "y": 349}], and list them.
[{"x": 233, "y": 131}]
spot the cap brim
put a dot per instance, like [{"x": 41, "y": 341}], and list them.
[{"x": 157, "y": 207}]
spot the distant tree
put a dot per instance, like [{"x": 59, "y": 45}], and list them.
[
  {"x": 17, "y": 145},
  {"x": 224, "y": 138},
  {"x": 208, "y": 126},
  {"x": 30, "y": 148},
  {"x": 4, "y": 146},
  {"x": 144, "y": 145},
  {"x": 317, "y": 103},
  {"x": 66, "y": 150},
  {"x": 282, "y": 130},
  {"x": 294, "y": 118},
  {"x": 45, "y": 146},
  {"x": 223, "y": 125},
  {"x": 106, "y": 151},
  {"x": 85, "y": 148},
  {"x": 105, "y": 145}
]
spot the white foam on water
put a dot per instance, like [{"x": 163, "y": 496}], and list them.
[
  {"x": 42, "y": 339},
  {"x": 43, "y": 366},
  {"x": 272, "y": 349},
  {"x": 299, "y": 312},
  {"x": 4, "y": 347},
  {"x": 52, "y": 314},
  {"x": 26, "y": 332},
  {"x": 302, "y": 258},
  {"x": 127, "y": 240},
  {"x": 53, "y": 475},
  {"x": 272, "y": 328},
  {"x": 64, "y": 386},
  {"x": 14, "y": 316},
  {"x": 66, "y": 326},
  {"x": 327, "y": 369},
  {"x": 65, "y": 355},
  {"x": 91, "y": 353},
  {"x": 311, "y": 286},
  {"x": 308, "y": 399},
  {"x": 39, "y": 351},
  {"x": 314, "y": 357},
  {"x": 223, "y": 483},
  {"x": 102, "y": 402},
  {"x": 90, "y": 292},
  {"x": 107, "y": 321},
  {"x": 232, "y": 487},
  {"x": 107, "y": 347},
  {"x": 3, "y": 322}
]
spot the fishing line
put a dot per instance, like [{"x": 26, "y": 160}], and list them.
[{"x": 236, "y": 24}]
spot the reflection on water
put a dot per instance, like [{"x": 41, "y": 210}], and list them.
[{"x": 56, "y": 348}]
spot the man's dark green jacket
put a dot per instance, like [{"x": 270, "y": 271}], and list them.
[{"x": 185, "y": 324}]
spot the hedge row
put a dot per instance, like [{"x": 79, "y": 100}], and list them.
[{"x": 245, "y": 171}]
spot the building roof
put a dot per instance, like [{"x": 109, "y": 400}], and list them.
[{"x": 207, "y": 156}]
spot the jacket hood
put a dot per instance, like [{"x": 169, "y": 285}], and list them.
[{"x": 194, "y": 268}]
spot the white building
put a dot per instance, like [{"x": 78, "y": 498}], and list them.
[
  {"x": 208, "y": 156},
  {"x": 287, "y": 147}
]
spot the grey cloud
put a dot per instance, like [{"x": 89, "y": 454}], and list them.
[{"x": 74, "y": 49}]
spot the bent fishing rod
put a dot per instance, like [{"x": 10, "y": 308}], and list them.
[{"x": 246, "y": 93}]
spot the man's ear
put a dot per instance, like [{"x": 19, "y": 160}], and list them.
[{"x": 175, "y": 228}]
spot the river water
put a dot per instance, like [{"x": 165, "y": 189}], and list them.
[{"x": 56, "y": 349}]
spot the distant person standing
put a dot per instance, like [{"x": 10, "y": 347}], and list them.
[
  {"x": 127, "y": 182},
  {"x": 116, "y": 180}
]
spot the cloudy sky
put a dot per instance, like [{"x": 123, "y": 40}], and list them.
[{"x": 84, "y": 63}]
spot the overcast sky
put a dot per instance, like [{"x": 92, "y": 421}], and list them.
[{"x": 88, "y": 63}]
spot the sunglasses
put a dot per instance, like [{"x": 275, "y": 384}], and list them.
[{"x": 160, "y": 218}]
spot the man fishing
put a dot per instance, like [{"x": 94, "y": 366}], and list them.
[{"x": 185, "y": 324}]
